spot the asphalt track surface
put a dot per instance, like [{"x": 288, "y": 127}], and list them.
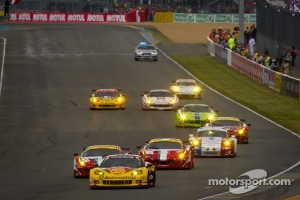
[{"x": 48, "y": 74}]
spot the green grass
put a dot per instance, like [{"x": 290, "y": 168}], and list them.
[
  {"x": 157, "y": 34},
  {"x": 280, "y": 108}
]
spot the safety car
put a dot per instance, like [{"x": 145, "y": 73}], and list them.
[
  {"x": 159, "y": 99},
  {"x": 145, "y": 51},
  {"x": 91, "y": 157},
  {"x": 168, "y": 153},
  {"x": 123, "y": 170},
  {"x": 234, "y": 126},
  {"x": 186, "y": 88},
  {"x": 194, "y": 115},
  {"x": 213, "y": 142},
  {"x": 107, "y": 99}
]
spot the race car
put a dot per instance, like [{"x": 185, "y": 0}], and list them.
[
  {"x": 168, "y": 153},
  {"x": 159, "y": 99},
  {"x": 234, "y": 126},
  {"x": 194, "y": 115},
  {"x": 123, "y": 170},
  {"x": 186, "y": 88},
  {"x": 91, "y": 157},
  {"x": 107, "y": 99},
  {"x": 145, "y": 51},
  {"x": 212, "y": 142}
]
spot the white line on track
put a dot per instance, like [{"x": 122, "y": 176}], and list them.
[
  {"x": 2, "y": 64},
  {"x": 69, "y": 54}
]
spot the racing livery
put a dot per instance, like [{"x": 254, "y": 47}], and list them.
[
  {"x": 186, "y": 88},
  {"x": 159, "y": 99},
  {"x": 123, "y": 170},
  {"x": 234, "y": 126},
  {"x": 145, "y": 51},
  {"x": 168, "y": 153},
  {"x": 107, "y": 99},
  {"x": 91, "y": 157},
  {"x": 194, "y": 115},
  {"x": 213, "y": 141}
]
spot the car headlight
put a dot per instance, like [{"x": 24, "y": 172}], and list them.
[
  {"x": 82, "y": 161},
  {"x": 120, "y": 99},
  {"x": 181, "y": 155},
  {"x": 241, "y": 131},
  {"x": 227, "y": 143},
  {"x": 137, "y": 172},
  {"x": 94, "y": 100},
  {"x": 138, "y": 52},
  {"x": 211, "y": 117},
  {"x": 175, "y": 88},
  {"x": 154, "y": 52},
  {"x": 149, "y": 101},
  {"x": 182, "y": 116},
  {"x": 195, "y": 142},
  {"x": 98, "y": 172},
  {"x": 197, "y": 89},
  {"x": 174, "y": 100}
]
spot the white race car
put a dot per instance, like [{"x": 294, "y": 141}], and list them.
[
  {"x": 186, "y": 88},
  {"x": 159, "y": 99},
  {"x": 213, "y": 141}
]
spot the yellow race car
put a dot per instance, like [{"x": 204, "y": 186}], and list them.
[
  {"x": 107, "y": 99},
  {"x": 123, "y": 170}
]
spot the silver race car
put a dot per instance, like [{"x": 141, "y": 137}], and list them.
[
  {"x": 145, "y": 51},
  {"x": 159, "y": 99},
  {"x": 186, "y": 88}
]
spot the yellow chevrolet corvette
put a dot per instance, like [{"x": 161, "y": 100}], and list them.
[
  {"x": 123, "y": 170},
  {"x": 107, "y": 99}
]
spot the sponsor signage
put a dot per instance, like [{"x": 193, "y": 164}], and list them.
[
  {"x": 67, "y": 17},
  {"x": 211, "y": 18}
]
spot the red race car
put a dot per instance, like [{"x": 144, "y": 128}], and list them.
[
  {"x": 168, "y": 153},
  {"x": 92, "y": 157},
  {"x": 234, "y": 126}
]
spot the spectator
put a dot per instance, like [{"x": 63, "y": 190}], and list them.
[
  {"x": 251, "y": 47},
  {"x": 231, "y": 42},
  {"x": 253, "y": 32},
  {"x": 286, "y": 66},
  {"x": 293, "y": 55},
  {"x": 6, "y": 7}
]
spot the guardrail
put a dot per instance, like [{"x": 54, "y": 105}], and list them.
[{"x": 277, "y": 81}]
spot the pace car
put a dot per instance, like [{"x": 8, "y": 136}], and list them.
[
  {"x": 168, "y": 153},
  {"x": 145, "y": 51},
  {"x": 159, "y": 99},
  {"x": 123, "y": 170},
  {"x": 212, "y": 142},
  {"x": 107, "y": 99},
  {"x": 186, "y": 88},
  {"x": 235, "y": 127},
  {"x": 194, "y": 115},
  {"x": 91, "y": 157}
]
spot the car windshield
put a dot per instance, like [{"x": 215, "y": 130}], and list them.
[
  {"x": 185, "y": 84},
  {"x": 164, "y": 145},
  {"x": 107, "y": 94},
  {"x": 146, "y": 47},
  {"x": 160, "y": 94},
  {"x": 225, "y": 123},
  {"x": 196, "y": 108},
  {"x": 212, "y": 133},
  {"x": 124, "y": 162},
  {"x": 99, "y": 152}
]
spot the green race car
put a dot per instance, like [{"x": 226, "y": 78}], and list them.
[{"x": 194, "y": 115}]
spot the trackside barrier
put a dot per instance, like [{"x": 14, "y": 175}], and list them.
[
  {"x": 272, "y": 79},
  {"x": 164, "y": 17}
]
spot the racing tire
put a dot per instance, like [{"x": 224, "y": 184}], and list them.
[
  {"x": 152, "y": 184},
  {"x": 136, "y": 59},
  {"x": 155, "y": 60},
  {"x": 93, "y": 188}
]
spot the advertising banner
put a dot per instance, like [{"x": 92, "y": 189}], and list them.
[
  {"x": 213, "y": 18},
  {"x": 67, "y": 17}
]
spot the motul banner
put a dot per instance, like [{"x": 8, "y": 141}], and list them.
[
  {"x": 14, "y": 2},
  {"x": 67, "y": 17}
]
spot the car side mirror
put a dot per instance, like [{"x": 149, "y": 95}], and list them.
[{"x": 149, "y": 164}]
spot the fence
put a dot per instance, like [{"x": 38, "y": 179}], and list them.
[{"x": 272, "y": 79}]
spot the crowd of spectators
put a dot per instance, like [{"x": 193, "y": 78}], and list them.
[
  {"x": 229, "y": 39},
  {"x": 292, "y": 6}
]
